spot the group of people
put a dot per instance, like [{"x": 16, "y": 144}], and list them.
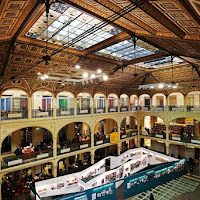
[
  {"x": 98, "y": 136},
  {"x": 78, "y": 138}
]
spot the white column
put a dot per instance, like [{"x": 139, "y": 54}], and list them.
[
  {"x": 185, "y": 106},
  {"x": 92, "y": 105},
  {"x": 92, "y": 137},
  {"x": 54, "y": 147},
  {"x": 75, "y": 106},
  {"x": 54, "y": 107},
  {"x": 167, "y": 103},
  {"x": 129, "y": 104},
  {"x": 151, "y": 104},
  {"x": 118, "y": 104},
  {"x": 29, "y": 107},
  {"x": 118, "y": 148},
  {"x": 54, "y": 169},
  {"x": 167, "y": 148},
  {"x": 167, "y": 131},
  {"x": 138, "y": 126},
  {"x": 92, "y": 154},
  {"x": 106, "y": 104}
]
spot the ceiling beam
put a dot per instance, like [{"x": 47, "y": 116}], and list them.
[
  {"x": 154, "y": 78},
  {"x": 135, "y": 80},
  {"x": 144, "y": 79},
  {"x": 131, "y": 18},
  {"x": 149, "y": 9},
  {"x": 146, "y": 58},
  {"x": 106, "y": 43}
]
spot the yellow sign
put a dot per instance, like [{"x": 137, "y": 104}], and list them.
[{"x": 114, "y": 137}]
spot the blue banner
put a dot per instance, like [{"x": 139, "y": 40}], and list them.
[{"x": 146, "y": 180}]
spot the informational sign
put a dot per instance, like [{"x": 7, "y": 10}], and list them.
[{"x": 114, "y": 137}]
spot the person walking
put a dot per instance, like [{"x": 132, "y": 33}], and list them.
[{"x": 151, "y": 197}]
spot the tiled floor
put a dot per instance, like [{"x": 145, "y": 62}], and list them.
[{"x": 169, "y": 190}]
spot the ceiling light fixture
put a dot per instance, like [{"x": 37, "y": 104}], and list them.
[
  {"x": 85, "y": 75},
  {"x": 99, "y": 71},
  {"x": 160, "y": 85},
  {"x": 46, "y": 76},
  {"x": 105, "y": 77},
  {"x": 93, "y": 76},
  {"x": 77, "y": 66}
]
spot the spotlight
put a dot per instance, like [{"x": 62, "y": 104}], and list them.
[
  {"x": 135, "y": 75},
  {"x": 85, "y": 75},
  {"x": 169, "y": 86},
  {"x": 174, "y": 86},
  {"x": 93, "y": 76},
  {"x": 42, "y": 77},
  {"x": 105, "y": 77},
  {"x": 152, "y": 87},
  {"x": 160, "y": 85},
  {"x": 77, "y": 66},
  {"x": 46, "y": 76},
  {"x": 99, "y": 71},
  {"x": 39, "y": 73},
  {"x": 62, "y": 84}
]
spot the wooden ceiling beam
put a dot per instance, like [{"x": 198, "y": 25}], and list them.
[
  {"x": 136, "y": 79},
  {"x": 149, "y": 9},
  {"x": 106, "y": 43},
  {"x": 146, "y": 58}
]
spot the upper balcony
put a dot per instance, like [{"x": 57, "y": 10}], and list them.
[{"x": 16, "y": 104}]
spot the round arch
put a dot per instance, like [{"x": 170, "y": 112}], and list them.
[
  {"x": 14, "y": 88},
  {"x": 159, "y": 99}
]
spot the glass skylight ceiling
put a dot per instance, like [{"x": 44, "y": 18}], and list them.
[
  {"x": 161, "y": 62},
  {"x": 125, "y": 50},
  {"x": 66, "y": 23}
]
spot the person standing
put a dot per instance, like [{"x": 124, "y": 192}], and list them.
[{"x": 151, "y": 197}]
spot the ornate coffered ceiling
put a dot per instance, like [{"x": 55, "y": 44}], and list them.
[{"x": 171, "y": 27}]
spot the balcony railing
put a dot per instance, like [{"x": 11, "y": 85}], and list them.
[
  {"x": 176, "y": 108},
  {"x": 83, "y": 111},
  {"x": 11, "y": 161},
  {"x": 128, "y": 133},
  {"x": 185, "y": 138},
  {"x": 113, "y": 109},
  {"x": 42, "y": 113},
  {"x": 102, "y": 139},
  {"x": 145, "y": 108},
  {"x": 64, "y": 111},
  {"x": 99, "y": 110},
  {"x": 18, "y": 114},
  {"x": 159, "y": 108},
  {"x": 133, "y": 108},
  {"x": 193, "y": 108},
  {"x": 123, "y": 108},
  {"x": 67, "y": 147}
]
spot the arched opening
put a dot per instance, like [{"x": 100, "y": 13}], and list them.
[
  {"x": 124, "y": 103},
  {"x": 112, "y": 103},
  {"x": 185, "y": 130},
  {"x": 153, "y": 126},
  {"x": 102, "y": 131},
  {"x": 65, "y": 104},
  {"x": 193, "y": 101},
  {"x": 99, "y": 103},
  {"x": 42, "y": 104},
  {"x": 128, "y": 127},
  {"x": 26, "y": 145},
  {"x": 145, "y": 102},
  {"x": 133, "y": 102},
  {"x": 74, "y": 163},
  {"x": 159, "y": 102},
  {"x": 14, "y": 105},
  {"x": 74, "y": 136},
  {"x": 83, "y": 103},
  {"x": 15, "y": 184},
  {"x": 176, "y": 102}
]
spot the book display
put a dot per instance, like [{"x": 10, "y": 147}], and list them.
[{"x": 128, "y": 163}]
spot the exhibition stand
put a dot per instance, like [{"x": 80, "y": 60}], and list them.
[{"x": 103, "y": 175}]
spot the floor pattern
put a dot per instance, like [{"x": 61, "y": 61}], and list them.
[{"x": 169, "y": 190}]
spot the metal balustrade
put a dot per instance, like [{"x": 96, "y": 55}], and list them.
[
  {"x": 193, "y": 108},
  {"x": 83, "y": 111},
  {"x": 65, "y": 111},
  {"x": 123, "y": 108},
  {"x": 99, "y": 110},
  {"x": 158, "y": 108},
  {"x": 176, "y": 108},
  {"x": 133, "y": 108},
  {"x": 113, "y": 109},
  {"x": 42, "y": 113},
  {"x": 16, "y": 114}
]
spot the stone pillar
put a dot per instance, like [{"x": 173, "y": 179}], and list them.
[
  {"x": 0, "y": 107},
  {"x": 167, "y": 131},
  {"x": 167, "y": 103},
  {"x": 151, "y": 104},
  {"x": 118, "y": 148},
  {"x": 54, "y": 169},
  {"x": 118, "y": 104},
  {"x": 92, "y": 137},
  {"x": 92, "y": 105},
  {"x": 33, "y": 171},
  {"x": 54, "y": 107},
  {"x": 54, "y": 147},
  {"x": 75, "y": 106},
  {"x": 29, "y": 107},
  {"x": 106, "y": 104},
  {"x": 129, "y": 104},
  {"x": 138, "y": 126},
  {"x": 185, "y": 106},
  {"x": 167, "y": 148},
  {"x": 118, "y": 129},
  {"x": 0, "y": 188},
  {"x": 92, "y": 154}
]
